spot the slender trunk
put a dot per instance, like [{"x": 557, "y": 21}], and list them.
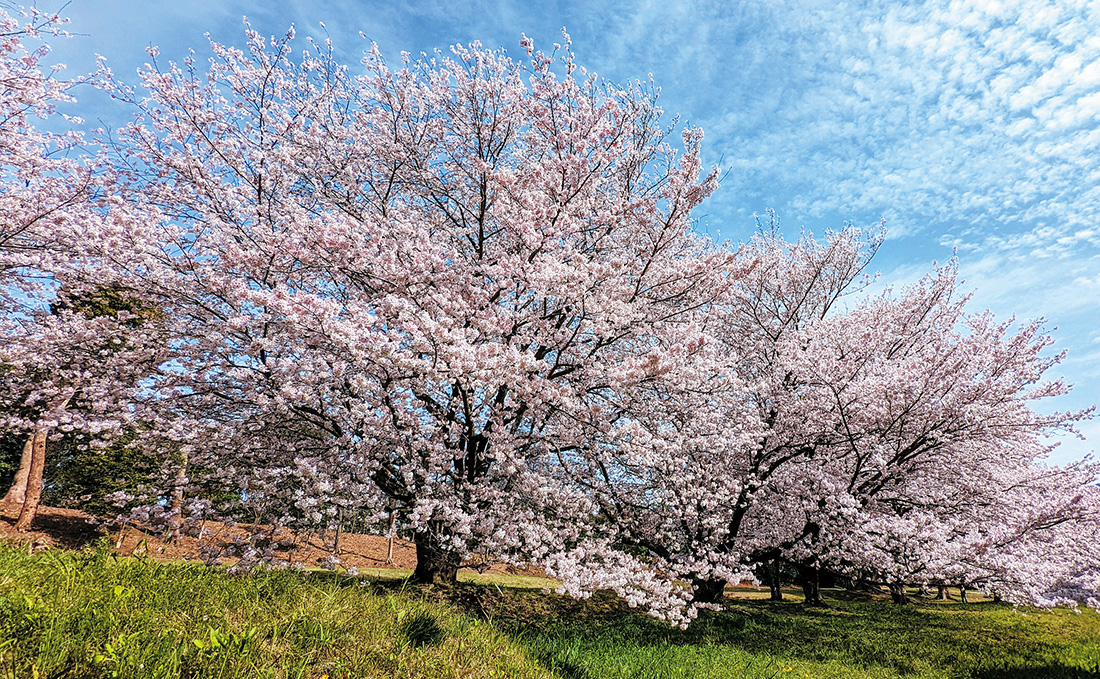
[
  {"x": 18, "y": 491},
  {"x": 121, "y": 535},
  {"x": 708, "y": 590},
  {"x": 36, "y": 469},
  {"x": 177, "y": 504},
  {"x": 771, "y": 573},
  {"x": 181, "y": 481},
  {"x": 436, "y": 561},
  {"x": 962, "y": 594},
  {"x": 943, "y": 594},
  {"x": 34, "y": 482},
  {"x": 810, "y": 579},
  {"x": 898, "y": 593},
  {"x": 389, "y": 539},
  {"x": 339, "y": 526}
]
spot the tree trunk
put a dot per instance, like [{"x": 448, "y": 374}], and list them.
[
  {"x": 177, "y": 504},
  {"x": 898, "y": 594},
  {"x": 707, "y": 590},
  {"x": 810, "y": 579},
  {"x": 389, "y": 539},
  {"x": 34, "y": 482},
  {"x": 18, "y": 491},
  {"x": 339, "y": 527},
  {"x": 943, "y": 594},
  {"x": 775, "y": 584},
  {"x": 436, "y": 562}
]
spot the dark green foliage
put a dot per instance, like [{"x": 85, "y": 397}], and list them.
[
  {"x": 113, "y": 301},
  {"x": 79, "y": 475},
  {"x": 11, "y": 449}
]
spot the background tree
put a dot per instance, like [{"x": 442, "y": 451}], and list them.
[
  {"x": 688, "y": 472},
  {"x": 70, "y": 371}
]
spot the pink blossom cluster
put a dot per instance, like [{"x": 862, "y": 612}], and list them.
[{"x": 465, "y": 291}]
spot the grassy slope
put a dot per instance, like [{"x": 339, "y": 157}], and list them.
[{"x": 91, "y": 615}]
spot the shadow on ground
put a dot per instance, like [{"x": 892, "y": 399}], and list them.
[
  {"x": 1046, "y": 672},
  {"x": 68, "y": 529}
]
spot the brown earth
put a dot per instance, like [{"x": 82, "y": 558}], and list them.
[{"x": 55, "y": 527}]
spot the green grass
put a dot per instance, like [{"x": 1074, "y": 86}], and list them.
[
  {"x": 89, "y": 614},
  {"x": 853, "y": 639},
  {"x": 466, "y": 577}
]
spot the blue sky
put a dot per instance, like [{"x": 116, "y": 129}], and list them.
[{"x": 971, "y": 126}]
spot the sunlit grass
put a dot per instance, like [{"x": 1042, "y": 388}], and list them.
[
  {"x": 469, "y": 577},
  {"x": 93, "y": 615}
]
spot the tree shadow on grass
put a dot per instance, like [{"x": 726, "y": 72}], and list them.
[
  {"x": 1045, "y": 672},
  {"x": 859, "y": 633},
  {"x": 984, "y": 640}
]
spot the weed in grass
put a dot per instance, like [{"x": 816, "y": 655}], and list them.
[{"x": 422, "y": 630}]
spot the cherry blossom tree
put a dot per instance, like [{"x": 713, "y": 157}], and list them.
[
  {"x": 50, "y": 362},
  {"x": 414, "y": 286},
  {"x": 466, "y": 292},
  {"x": 688, "y": 474},
  {"x": 71, "y": 369},
  {"x": 850, "y": 438},
  {"x": 45, "y": 192},
  {"x": 925, "y": 405}
]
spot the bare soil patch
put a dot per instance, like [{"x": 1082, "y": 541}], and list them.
[{"x": 56, "y": 527}]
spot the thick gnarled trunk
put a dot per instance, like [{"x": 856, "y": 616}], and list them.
[
  {"x": 775, "y": 583},
  {"x": 437, "y": 561},
  {"x": 898, "y": 594},
  {"x": 810, "y": 579}
]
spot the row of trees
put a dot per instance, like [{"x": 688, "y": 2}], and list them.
[{"x": 467, "y": 292}]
